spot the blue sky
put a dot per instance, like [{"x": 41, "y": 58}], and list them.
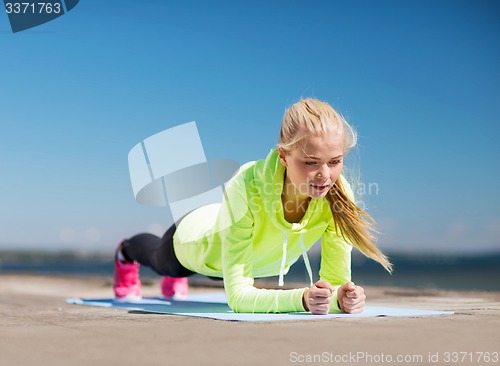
[{"x": 419, "y": 80}]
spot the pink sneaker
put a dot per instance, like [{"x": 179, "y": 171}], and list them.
[
  {"x": 127, "y": 284},
  {"x": 176, "y": 288}
]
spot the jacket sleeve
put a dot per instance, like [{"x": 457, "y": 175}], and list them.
[
  {"x": 335, "y": 262},
  {"x": 236, "y": 228},
  {"x": 336, "y": 255}
]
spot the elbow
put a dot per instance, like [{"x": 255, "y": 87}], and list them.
[
  {"x": 239, "y": 305},
  {"x": 234, "y": 304}
]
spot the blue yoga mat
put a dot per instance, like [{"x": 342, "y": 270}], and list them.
[{"x": 213, "y": 305}]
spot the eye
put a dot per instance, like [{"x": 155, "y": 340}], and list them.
[
  {"x": 335, "y": 162},
  {"x": 310, "y": 163}
]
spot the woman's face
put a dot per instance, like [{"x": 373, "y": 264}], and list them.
[{"x": 311, "y": 171}]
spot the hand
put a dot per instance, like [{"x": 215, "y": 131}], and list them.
[
  {"x": 316, "y": 299},
  {"x": 351, "y": 298}
]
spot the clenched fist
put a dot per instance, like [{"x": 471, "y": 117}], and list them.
[{"x": 351, "y": 298}]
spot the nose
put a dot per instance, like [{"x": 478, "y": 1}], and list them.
[{"x": 323, "y": 171}]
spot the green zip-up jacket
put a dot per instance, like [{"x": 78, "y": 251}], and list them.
[{"x": 246, "y": 237}]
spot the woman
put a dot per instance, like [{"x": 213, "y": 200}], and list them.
[{"x": 273, "y": 211}]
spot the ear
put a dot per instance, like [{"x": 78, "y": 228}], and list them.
[{"x": 282, "y": 156}]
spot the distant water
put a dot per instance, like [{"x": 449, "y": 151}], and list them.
[{"x": 417, "y": 272}]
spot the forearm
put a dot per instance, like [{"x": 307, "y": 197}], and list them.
[{"x": 252, "y": 300}]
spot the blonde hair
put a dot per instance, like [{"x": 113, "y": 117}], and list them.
[{"x": 311, "y": 117}]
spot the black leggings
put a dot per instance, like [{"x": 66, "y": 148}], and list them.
[{"x": 156, "y": 253}]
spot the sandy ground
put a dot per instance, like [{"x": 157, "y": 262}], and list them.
[{"x": 38, "y": 328}]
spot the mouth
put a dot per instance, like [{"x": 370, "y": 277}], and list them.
[{"x": 320, "y": 187}]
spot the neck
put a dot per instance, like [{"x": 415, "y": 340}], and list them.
[{"x": 292, "y": 199}]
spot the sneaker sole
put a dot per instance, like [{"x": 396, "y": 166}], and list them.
[{"x": 129, "y": 298}]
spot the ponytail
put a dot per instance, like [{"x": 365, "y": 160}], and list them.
[{"x": 354, "y": 224}]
